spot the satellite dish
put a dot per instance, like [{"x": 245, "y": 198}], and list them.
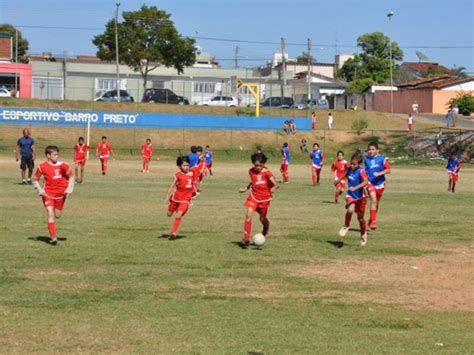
[{"x": 421, "y": 56}]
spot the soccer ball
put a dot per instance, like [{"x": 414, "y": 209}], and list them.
[{"x": 258, "y": 239}]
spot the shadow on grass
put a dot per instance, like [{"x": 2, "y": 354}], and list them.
[
  {"x": 250, "y": 246},
  {"x": 336, "y": 243},
  {"x": 44, "y": 239},
  {"x": 167, "y": 236},
  {"x": 331, "y": 202}
]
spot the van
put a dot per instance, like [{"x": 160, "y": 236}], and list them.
[{"x": 164, "y": 96}]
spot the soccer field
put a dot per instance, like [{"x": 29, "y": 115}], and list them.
[{"x": 113, "y": 284}]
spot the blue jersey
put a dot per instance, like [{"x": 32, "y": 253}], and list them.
[
  {"x": 26, "y": 145},
  {"x": 208, "y": 157},
  {"x": 453, "y": 164},
  {"x": 193, "y": 159},
  {"x": 354, "y": 178},
  {"x": 373, "y": 165},
  {"x": 285, "y": 154},
  {"x": 317, "y": 158}
]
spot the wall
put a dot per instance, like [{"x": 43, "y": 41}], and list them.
[
  {"x": 403, "y": 101},
  {"x": 24, "y": 72},
  {"x": 441, "y": 98}
]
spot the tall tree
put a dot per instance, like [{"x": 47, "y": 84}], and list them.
[
  {"x": 374, "y": 60},
  {"x": 147, "y": 39},
  {"x": 303, "y": 59},
  {"x": 22, "y": 42}
]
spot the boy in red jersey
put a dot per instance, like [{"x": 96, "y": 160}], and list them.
[
  {"x": 147, "y": 152},
  {"x": 262, "y": 185},
  {"x": 180, "y": 199},
  {"x": 58, "y": 184},
  {"x": 339, "y": 168},
  {"x": 102, "y": 151},
  {"x": 80, "y": 150},
  {"x": 355, "y": 198}
]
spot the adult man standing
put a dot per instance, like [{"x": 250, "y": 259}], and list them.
[{"x": 25, "y": 149}]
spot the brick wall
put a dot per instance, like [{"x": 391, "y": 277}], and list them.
[{"x": 6, "y": 48}]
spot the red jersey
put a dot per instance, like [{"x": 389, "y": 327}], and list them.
[
  {"x": 104, "y": 149},
  {"x": 184, "y": 188},
  {"x": 261, "y": 184},
  {"x": 340, "y": 167},
  {"x": 80, "y": 151},
  {"x": 147, "y": 150},
  {"x": 56, "y": 178},
  {"x": 198, "y": 170}
]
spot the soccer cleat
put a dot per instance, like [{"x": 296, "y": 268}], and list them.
[
  {"x": 172, "y": 236},
  {"x": 343, "y": 231},
  {"x": 53, "y": 241},
  {"x": 23, "y": 182},
  {"x": 363, "y": 239},
  {"x": 373, "y": 225},
  {"x": 244, "y": 244},
  {"x": 103, "y": 173},
  {"x": 336, "y": 200},
  {"x": 30, "y": 183}
]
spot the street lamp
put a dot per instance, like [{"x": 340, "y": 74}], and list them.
[
  {"x": 389, "y": 15},
  {"x": 117, "y": 50}
]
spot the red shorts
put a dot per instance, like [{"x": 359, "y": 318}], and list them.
[
  {"x": 260, "y": 207},
  {"x": 453, "y": 177},
  {"x": 56, "y": 203},
  {"x": 178, "y": 207},
  {"x": 315, "y": 169},
  {"x": 146, "y": 159},
  {"x": 80, "y": 162},
  {"x": 341, "y": 185},
  {"x": 284, "y": 168},
  {"x": 359, "y": 204},
  {"x": 378, "y": 191},
  {"x": 209, "y": 166}
]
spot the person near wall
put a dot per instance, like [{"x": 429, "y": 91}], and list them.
[
  {"x": 26, "y": 153},
  {"x": 414, "y": 107},
  {"x": 455, "y": 113},
  {"x": 330, "y": 121},
  {"x": 410, "y": 122},
  {"x": 313, "y": 120},
  {"x": 449, "y": 118}
]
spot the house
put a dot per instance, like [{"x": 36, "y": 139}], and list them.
[
  {"x": 432, "y": 94},
  {"x": 319, "y": 85},
  {"x": 413, "y": 70}
]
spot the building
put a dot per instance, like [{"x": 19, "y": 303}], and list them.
[
  {"x": 320, "y": 86},
  {"x": 431, "y": 94},
  {"x": 413, "y": 70}
]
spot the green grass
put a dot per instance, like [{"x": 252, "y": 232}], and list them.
[{"x": 115, "y": 286}]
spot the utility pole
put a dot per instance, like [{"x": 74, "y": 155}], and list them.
[
  {"x": 117, "y": 50},
  {"x": 389, "y": 15},
  {"x": 237, "y": 57},
  {"x": 283, "y": 68},
  {"x": 16, "y": 62},
  {"x": 308, "y": 76}
]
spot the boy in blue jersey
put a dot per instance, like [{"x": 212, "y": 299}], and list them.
[
  {"x": 286, "y": 159},
  {"x": 209, "y": 158},
  {"x": 376, "y": 167},
  {"x": 316, "y": 159},
  {"x": 453, "y": 167},
  {"x": 193, "y": 157},
  {"x": 355, "y": 197}
]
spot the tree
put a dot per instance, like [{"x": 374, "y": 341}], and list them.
[
  {"x": 374, "y": 61},
  {"x": 303, "y": 59},
  {"x": 22, "y": 42},
  {"x": 147, "y": 39},
  {"x": 459, "y": 71},
  {"x": 465, "y": 103}
]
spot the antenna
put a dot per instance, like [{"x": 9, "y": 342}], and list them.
[{"x": 421, "y": 56}]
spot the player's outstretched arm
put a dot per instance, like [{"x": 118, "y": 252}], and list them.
[
  {"x": 245, "y": 189},
  {"x": 70, "y": 186},
  {"x": 170, "y": 190}
]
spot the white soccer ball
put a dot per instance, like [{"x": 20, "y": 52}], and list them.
[{"x": 258, "y": 239}]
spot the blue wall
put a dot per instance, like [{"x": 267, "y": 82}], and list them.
[{"x": 20, "y": 116}]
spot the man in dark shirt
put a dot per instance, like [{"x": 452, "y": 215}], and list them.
[{"x": 25, "y": 149}]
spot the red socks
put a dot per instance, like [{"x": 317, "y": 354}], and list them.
[
  {"x": 175, "y": 227},
  {"x": 104, "y": 168},
  {"x": 363, "y": 226},
  {"x": 347, "y": 220},
  {"x": 266, "y": 226},
  {"x": 52, "y": 229},
  {"x": 336, "y": 196},
  {"x": 314, "y": 180},
  {"x": 373, "y": 215},
  {"x": 247, "y": 230}
]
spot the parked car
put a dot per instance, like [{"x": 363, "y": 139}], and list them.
[
  {"x": 320, "y": 104},
  {"x": 277, "y": 102},
  {"x": 223, "y": 101},
  {"x": 111, "y": 96},
  {"x": 5, "y": 93},
  {"x": 164, "y": 96}
]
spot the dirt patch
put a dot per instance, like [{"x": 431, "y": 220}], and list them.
[{"x": 441, "y": 282}]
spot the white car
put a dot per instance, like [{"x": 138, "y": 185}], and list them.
[
  {"x": 222, "y": 101},
  {"x": 5, "y": 93}
]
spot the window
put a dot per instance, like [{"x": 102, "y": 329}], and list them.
[
  {"x": 205, "y": 88},
  {"x": 217, "y": 98},
  {"x": 106, "y": 84}
]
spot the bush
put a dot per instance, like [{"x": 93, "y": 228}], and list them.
[
  {"x": 359, "y": 125},
  {"x": 465, "y": 103}
]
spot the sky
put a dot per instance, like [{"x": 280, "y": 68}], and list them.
[{"x": 333, "y": 26}]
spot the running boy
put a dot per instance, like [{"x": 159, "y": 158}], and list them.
[
  {"x": 58, "y": 184},
  {"x": 209, "y": 158},
  {"x": 453, "y": 167},
  {"x": 147, "y": 152},
  {"x": 80, "y": 151},
  {"x": 339, "y": 168},
  {"x": 317, "y": 158},
  {"x": 286, "y": 160},
  {"x": 262, "y": 185},
  {"x": 376, "y": 167},
  {"x": 355, "y": 197},
  {"x": 179, "y": 194},
  {"x": 102, "y": 151}
]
